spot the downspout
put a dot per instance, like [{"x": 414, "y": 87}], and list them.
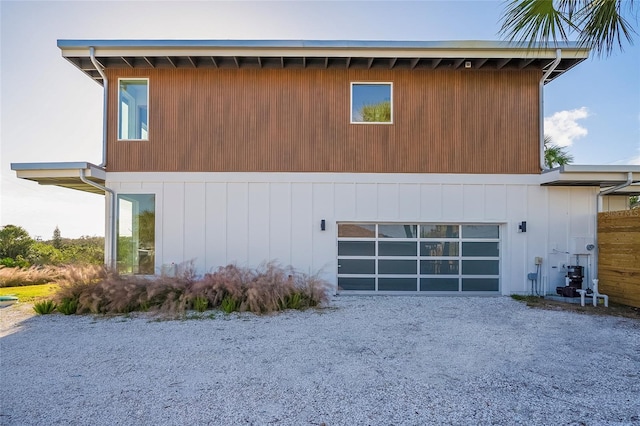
[
  {"x": 553, "y": 66},
  {"x": 598, "y": 209},
  {"x": 105, "y": 96},
  {"x": 111, "y": 260}
]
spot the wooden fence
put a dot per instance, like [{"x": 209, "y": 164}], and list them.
[{"x": 619, "y": 256}]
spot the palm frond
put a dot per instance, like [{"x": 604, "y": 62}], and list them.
[
  {"x": 600, "y": 25},
  {"x": 537, "y": 21},
  {"x": 555, "y": 155},
  {"x": 603, "y": 27}
]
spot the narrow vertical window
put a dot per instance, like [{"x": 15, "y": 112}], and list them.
[
  {"x": 136, "y": 233},
  {"x": 133, "y": 110},
  {"x": 371, "y": 103}
]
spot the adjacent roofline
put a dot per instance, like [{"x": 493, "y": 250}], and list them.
[
  {"x": 316, "y": 44},
  {"x": 63, "y": 174},
  {"x": 55, "y": 166},
  {"x": 594, "y": 175},
  {"x": 582, "y": 168},
  {"x": 318, "y": 54}
]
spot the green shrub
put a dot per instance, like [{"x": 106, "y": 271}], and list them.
[
  {"x": 18, "y": 262},
  {"x": 229, "y": 304},
  {"x": 200, "y": 303},
  {"x": 8, "y": 262},
  {"x": 45, "y": 307},
  {"x": 45, "y": 254},
  {"x": 294, "y": 301},
  {"x": 67, "y": 306}
]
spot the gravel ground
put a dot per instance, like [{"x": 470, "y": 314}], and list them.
[{"x": 361, "y": 361}]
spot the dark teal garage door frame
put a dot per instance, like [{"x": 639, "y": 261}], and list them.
[{"x": 428, "y": 258}]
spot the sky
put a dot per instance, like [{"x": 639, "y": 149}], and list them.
[{"x": 50, "y": 111}]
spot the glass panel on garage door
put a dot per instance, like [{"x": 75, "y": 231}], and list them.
[{"x": 419, "y": 257}]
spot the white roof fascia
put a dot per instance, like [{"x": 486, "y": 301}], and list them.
[
  {"x": 292, "y": 48},
  {"x": 58, "y": 169},
  {"x": 64, "y": 174},
  {"x": 590, "y": 174}
]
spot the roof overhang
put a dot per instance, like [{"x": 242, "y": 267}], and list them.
[
  {"x": 232, "y": 54},
  {"x": 598, "y": 176},
  {"x": 66, "y": 175}
]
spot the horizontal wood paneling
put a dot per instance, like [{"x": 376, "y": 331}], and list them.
[
  {"x": 619, "y": 256},
  {"x": 464, "y": 121}
]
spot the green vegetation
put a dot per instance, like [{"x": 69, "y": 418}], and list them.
[
  {"x": 19, "y": 250},
  {"x": 45, "y": 307},
  {"x": 200, "y": 303},
  {"x": 376, "y": 113},
  {"x": 229, "y": 304},
  {"x": 30, "y": 293},
  {"x": 14, "y": 246},
  {"x": 599, "y": 24},
  {"x": 529, "y": 300},
  {"x": 555, "y": 155},
  {"x": 56, "y": 241},
  {"x": 71, "y": 273},
  {"x": 68, "y": 306},
  {"x": 294, "y": 301}
]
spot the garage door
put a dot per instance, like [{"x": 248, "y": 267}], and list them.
[{"x": 405, "y": 257}]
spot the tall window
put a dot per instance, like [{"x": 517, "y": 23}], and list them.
[
  {"x": 133, "y": 109},
  {"x": 371, "y": 103},
  {"x": 136, "y": 233}
]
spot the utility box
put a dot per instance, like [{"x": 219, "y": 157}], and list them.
[{"x": 579, "y": 245}]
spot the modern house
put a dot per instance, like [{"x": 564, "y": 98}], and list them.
[{"x": 410, "y": 167}]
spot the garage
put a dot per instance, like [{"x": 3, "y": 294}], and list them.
[{"x": 426, "y": 258}]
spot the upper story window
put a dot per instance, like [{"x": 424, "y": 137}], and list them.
[
  {"x": 133, "y": 109},
  {"x": 372, "y": 103}
]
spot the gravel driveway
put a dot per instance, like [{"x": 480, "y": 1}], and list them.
[{"x": 362, "y": 361}]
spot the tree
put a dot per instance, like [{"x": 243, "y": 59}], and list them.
[
  {"x": 600, "y": 25},
  {"x": 377, "y": 113},
  {"x": 57, "y": 239},
  {"x": 44, "y": 254},
  {"x": 555, "y": 155},
  {"x": 634, "y": 202},
  {"x": 14, "y": 241}
]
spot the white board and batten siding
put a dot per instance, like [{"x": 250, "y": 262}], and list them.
[{"x": 214, "y": 219}]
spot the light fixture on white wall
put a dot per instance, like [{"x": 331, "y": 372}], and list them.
[{"x": 522, "y": 227}]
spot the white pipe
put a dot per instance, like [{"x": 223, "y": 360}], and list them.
[
  {"x": 105, "y": 97},
  {"x": 596, "y": 294},
  {"x": 110, "y": 254},
  {"x": 552, "y": 67},
  {"x": 598, "y": 210}
]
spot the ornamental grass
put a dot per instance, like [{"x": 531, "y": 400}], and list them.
[{"x": 265, "y": 289}]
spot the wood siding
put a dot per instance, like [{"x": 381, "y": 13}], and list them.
[
  {"x": 619, "y": 256},
  {"x": 464, "y": 121}
]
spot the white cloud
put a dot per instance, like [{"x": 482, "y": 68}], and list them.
[{"x": 564, "y": 128}]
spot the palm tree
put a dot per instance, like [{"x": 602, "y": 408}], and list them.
[
  {"x": 378, "y": 113},
  {"x": 555, "y": 155},
  {"x": 599, "y": 24}
]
